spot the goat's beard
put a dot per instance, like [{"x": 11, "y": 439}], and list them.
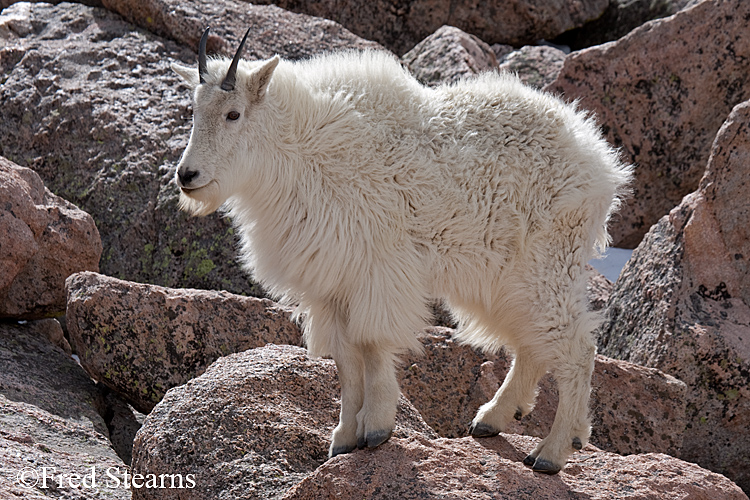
[{"x": 202, "y": 201}]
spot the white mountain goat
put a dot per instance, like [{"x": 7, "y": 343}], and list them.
[{"x": 360, "y": 195}]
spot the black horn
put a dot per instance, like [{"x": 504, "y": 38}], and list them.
[
  {"x": 202, "y": 67},
  {"x": 228, "y": 83}
]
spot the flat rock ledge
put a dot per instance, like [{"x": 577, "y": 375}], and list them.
[
  {"x": 491, "y": 468},
  {"x": 141, "y": 340}
]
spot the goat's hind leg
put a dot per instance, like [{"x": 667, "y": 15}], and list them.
[
  {"x": 572, "y": 369},
  {"x": 514, "y": 399}
]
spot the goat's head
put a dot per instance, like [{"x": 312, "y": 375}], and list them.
[{"x": 226, "y": 105}]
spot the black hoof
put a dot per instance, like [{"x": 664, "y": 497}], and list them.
[
  {"x": 577, "y": 443},
  {"x": 545, "y": 467},
  {"x": 529, "y": 461},
  {"x": 518, "y": 415},
  {"x": 361, "y": 443},
  {"x": 340, "y": 450},
  {"x": 481, "y": 430},
  {"x": 376, "y": 438}
]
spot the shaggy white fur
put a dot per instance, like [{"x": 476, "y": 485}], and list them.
[{"x": 360, "y": 194}]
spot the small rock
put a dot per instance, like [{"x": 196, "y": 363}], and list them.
[
  {"x": 635, "y": 409},
  {"x": 141, "y": 340},
  {"x": 535, "y": 65},
  {"x": 448, "y": 55}
]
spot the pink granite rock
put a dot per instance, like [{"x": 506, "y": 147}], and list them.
[
  {"x": 401, "y": 24},
  {"x": 490, "y": 468},
  {"x": 43, "y": 240},
  {"x": 448, "y": 55},
  {"x": 661, "y": 94},
  {"x": 274, "y": 30},
  {"x": 253, "y": 425},
  {"x": 682, "y": 305},
  {"x": 535, "y": 65},
  {"x": 141, "y": 340},
  {"x": 619, "y": 18},
  {"x": 37, "y": 372}
]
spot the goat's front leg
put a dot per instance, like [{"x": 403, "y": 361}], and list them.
[
  {"x": 377, "y": 418},
  {"x": 351, "y": 370}
]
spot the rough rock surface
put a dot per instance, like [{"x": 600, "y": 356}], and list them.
[
  {"x": 38, "y": 372},
  {"x": 682, "y": 304},
  {"x": 75, "y": 75},
  {"x": 633, "y": 409},
  {"x": 400, "y": 24},
  {"x": 662, "y": 92},
  {"x": 535, "y": 65},
  {"x": 32, "y": 438},
  {"x": 619, "y": 18},
  {"x": 92, "y": 3},
  {"x": 598, "y": 290},
  {"x": 275, "y": 30},
  {"x": 479, "y": 469},
  {"x": 448, "y": 55},
  {"x": 43, "y": 240},
  {"x": 50, "y": 416},
  {"x": 141, "y": 340},
  {"x": 250, "y": 427}
]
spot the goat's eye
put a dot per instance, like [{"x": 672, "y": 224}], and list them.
[{"x": 233, "y": 115}]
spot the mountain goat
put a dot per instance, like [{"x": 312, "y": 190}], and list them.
[{"x": 360, "y": 194}]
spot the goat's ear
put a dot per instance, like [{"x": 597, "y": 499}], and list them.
[
  {"x": 190, "y": 75},
  {"x": 262, "y": 76}
]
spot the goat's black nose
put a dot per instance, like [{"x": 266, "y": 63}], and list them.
[{"x": 187, "y": 176}]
